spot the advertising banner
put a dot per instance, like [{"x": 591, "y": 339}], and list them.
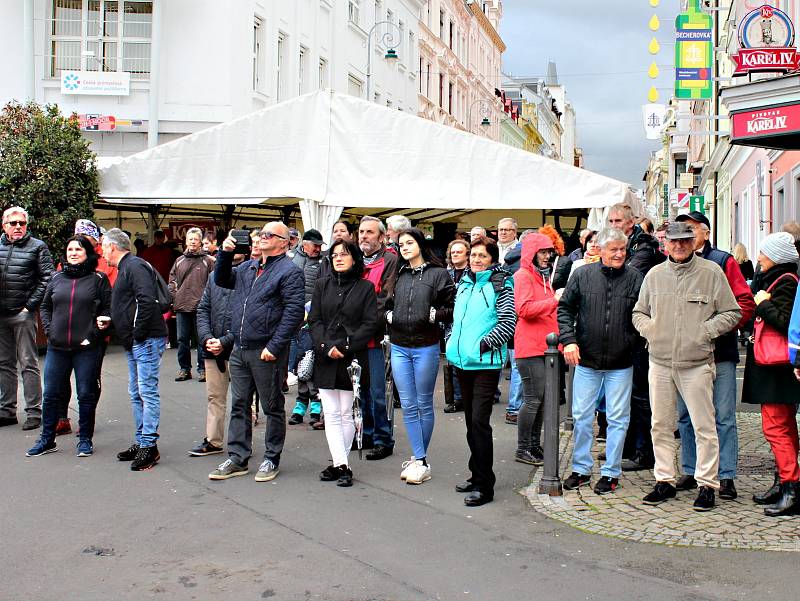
[
  {"x": 765, "y": 122},
  {"x": 96, "y": 83},
  {"x": 766, "y": 42},
  {"x": 654, "y": 120},
  {"x": 694, "y": 54}
]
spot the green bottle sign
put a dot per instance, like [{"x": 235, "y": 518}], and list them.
[{"x": 694, "y": 54}]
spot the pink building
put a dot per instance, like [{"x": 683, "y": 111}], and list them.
[{"x": 459, "y": 62}]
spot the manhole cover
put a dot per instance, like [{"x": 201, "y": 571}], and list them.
[{"x": 755, "y": 464}]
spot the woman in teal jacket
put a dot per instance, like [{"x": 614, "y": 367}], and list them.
[{"x": 483, "y": 323}]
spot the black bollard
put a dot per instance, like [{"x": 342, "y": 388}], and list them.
[
  {"x": 569, "y": 423},
  {"x": 550, "y": 484}
]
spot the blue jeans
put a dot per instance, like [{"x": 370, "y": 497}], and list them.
[
  {"x": 587, "y": 387},
  {"x": 373, "y": 401},
  {"x": 414, "y": 371},
  {"x": 58, "y": 367},
  {"x": 187, "y": 331},
  {"x": 515, "y": 397},
  {"x": 144, "y": 362},
  {"x": 725, "y": 410}
]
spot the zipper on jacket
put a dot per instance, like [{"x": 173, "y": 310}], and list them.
[
  {"x": 69, "y": 321},
  {"x": 244, "y": 307},
  {"x": 461, "y": 329},
  {"x": 8, "y": 262}
]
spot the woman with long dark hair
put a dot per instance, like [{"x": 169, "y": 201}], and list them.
[
  {"x": 76, "y": 306},
  {"x": 343, "y": 317},
  {"x": 423, "y": 298}
]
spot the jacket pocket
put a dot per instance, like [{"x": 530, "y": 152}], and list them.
[{"x": 698, "y": 343}]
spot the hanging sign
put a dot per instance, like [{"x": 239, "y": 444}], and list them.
[
  {"x": 97, "y": 122},
  {"x": 766, "y": 43},
  {"x": 766, "y": 121},
  {"x": 694, "y": 53},
  {"x": 654, "y": 120}
]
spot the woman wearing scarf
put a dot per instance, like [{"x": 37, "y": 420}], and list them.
[
  {"x": 423, "y": 298},
  {"x": 75, "y": 308},
  {"x": 591, "y": 252},
  {"x": 483, "y": 323},
  {"x": 775, "y": 387},
  {"x": 343, "y": 317}
]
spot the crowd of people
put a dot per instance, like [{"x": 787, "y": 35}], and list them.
[{"x": 649, "y": 322}]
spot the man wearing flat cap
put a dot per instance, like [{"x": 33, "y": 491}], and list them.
[{"x": 684, "y": 304}]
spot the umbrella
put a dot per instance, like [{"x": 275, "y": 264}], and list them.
[
  {"x": 355, "y": 375},
  {"x": 389, "y": 381}
]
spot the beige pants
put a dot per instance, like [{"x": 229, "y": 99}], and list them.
[
  {"x": 217, "y": 387},
  {"x": 696, "y": 385}
]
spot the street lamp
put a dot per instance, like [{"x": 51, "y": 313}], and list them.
[
  {"x": 484, "y": 109},
  {"x": 390, "y": 40}
]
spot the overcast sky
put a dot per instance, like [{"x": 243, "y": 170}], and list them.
[{"x": 600, "y": 47}]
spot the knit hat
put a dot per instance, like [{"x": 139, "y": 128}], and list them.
[
  {"x": 779, "y": 248},
  {"x": 84, "y": 227}
]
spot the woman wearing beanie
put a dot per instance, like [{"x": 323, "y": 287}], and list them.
[
  {"x": 774, "y": 387},
  {"x": 76, "y": 306}
]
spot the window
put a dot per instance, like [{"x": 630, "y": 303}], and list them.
[
  {"x": 258, "y": 31},
  {"x": 452, "y": 34},
  {"x": 114, "y": 37},
  {"x": 323, "y": 73},
  {"x": 411, "y": 47},
  {"x": 400, "y": 49},
  {"x": 450, "y": 98},
  {"x": 301, "y": 70},
  {"x": 389, "y": 104},
  {"x": 441, "y": 24},
  {"x": 441, "y": 90},
  {"x": 420, "y": 75},
  {"x": 428, "y": 81},
  {"x": 353, "y": 10},
  {"x": 354, "y": 86},
  {"x": 280, "y": 62}
]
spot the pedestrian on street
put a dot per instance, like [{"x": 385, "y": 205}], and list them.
[
  {"x": 457, "y": 266},
  {"x": 75, "y": 310},
  {"x": 590, "y": 252},
  {"x": 139, "y": 325},
  {"x": 210, "y": 246},
  {"x": 775, "y": 387},
  {"x": 684, "y": 304},
  {"x": 344, "y": 312},
  {"x": 394, "y": 225},
  {"x": 159, "y": 255},
  {"x": 423, "y": 298},
  {"x": 187, "y": 281},
  {"x": 266, "y": 310},
  {"x": 726, "y": 356},
  {"x": 535, "y": 303},
  {"x": 380, "y": 269},
  {"x": 744, "y": 262},
  {"x": 476, "y": 232},
  {"x": 25, "y": 269},
  {"x": 483, "y": 323},
  {"x": 216, "y": 338},
  {"x": 510, "y": 249},
  {"x": 594, "y": 321}
]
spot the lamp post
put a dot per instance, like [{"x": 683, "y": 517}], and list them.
[
  {"x": 390, "y": 40},
  {"x": 484, "y": 110}
]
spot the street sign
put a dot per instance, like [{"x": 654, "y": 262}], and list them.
[
  {"x": 682, "y": 200},
  {"x": 697, "y": 203},
  {"x": 694, "y": 53}
]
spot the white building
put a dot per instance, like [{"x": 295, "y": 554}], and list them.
[
  {"x": 548, "y": 117},
  {"x": 178, "y": 66}
]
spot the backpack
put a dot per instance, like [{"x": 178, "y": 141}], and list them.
[{"x": 163, "y": 296}]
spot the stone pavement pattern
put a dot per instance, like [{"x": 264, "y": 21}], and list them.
[{"x": 738, "y": 524}]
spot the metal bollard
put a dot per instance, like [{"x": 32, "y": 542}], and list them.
[
  {"x": 550, "y": 484},
  {"x": 569, "y": 423}
]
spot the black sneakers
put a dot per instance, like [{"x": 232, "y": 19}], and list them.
[
  {"x": 379, "y": 452},
  {"x": 330, "y": 473},
  {"x": 606, "y": 485},
  {"x": 576, "y": 480},
  {"x": 183, "y": 375},
  {"x": 128, "y": 454},
  {"x": 662, "y": 491},
  {"x": 705, "y": 499},
  {"x": 529, "y": 457},
  {"x": 205, "y": 448},
  {"x": 686, "y": 482},
  {"x": 145, "y": 458},
  {"x": 345, "y": 476},
  {"x": 727, "y": 489},
  {"x": 295, "y": 418}
]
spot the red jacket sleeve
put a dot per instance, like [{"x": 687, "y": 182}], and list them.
[{"x": 740, "y": 290}]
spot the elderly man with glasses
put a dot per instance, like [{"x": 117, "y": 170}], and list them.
[
  {"x": 25, "y": 268},
  {"x": 266, "y": 311}
]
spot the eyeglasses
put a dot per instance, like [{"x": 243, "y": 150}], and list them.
[
  {"x": 271, "y": 235},
  {"x": 505, "y": 229},
  {"x": 17, "y": 223},
  {"x": 339, "y": 255}
]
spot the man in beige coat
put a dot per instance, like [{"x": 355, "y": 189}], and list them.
[{"x": 684, "y": 304}]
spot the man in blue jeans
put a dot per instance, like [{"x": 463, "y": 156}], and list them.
[
  {"x": 595, "y": 327},
  {"x": 139, "y": 324},
  {"x": 726, "y": 356}
]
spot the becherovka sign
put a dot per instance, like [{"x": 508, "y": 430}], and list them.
[{"x": 766, "y": 43}]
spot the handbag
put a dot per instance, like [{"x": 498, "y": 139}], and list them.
[
  {"x": 770, "y": 347},
  {"x": 305, "y": 368}
]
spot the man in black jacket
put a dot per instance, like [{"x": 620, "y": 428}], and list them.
[
  {"x": 266, "y": 311},
  {"x": 139, "y": 324},
  {"x": 25, "y": 268},
  {"x": 594, "y": 322}
]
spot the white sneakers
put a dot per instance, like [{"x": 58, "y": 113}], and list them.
[
  {"x": 407, "y": 465},
  {"x": 291, "y": 379},
  {"x": 416, "y": 472}
]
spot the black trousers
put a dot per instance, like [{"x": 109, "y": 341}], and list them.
[{"x": 477, "y": 395}]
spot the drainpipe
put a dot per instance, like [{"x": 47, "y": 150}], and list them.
[
  {"x": 155, "y": 75},
  {"x": 29, "y": 65}
]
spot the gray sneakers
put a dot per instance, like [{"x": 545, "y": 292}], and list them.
[
  {"x": 226, "y": 470},
  {"x": 267, "y": 471}
]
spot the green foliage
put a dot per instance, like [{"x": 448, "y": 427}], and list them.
[{"x": 47, "y": 168}]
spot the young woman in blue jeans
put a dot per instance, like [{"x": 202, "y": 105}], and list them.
[{"x": 423, "y": 298}]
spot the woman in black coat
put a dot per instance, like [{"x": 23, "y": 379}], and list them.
[
  {"x": 775, "y": 387},
  {"x": 76, "y": 306},
  {"x": 343, "y": 318}
]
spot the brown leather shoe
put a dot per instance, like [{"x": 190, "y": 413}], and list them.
[{"x": 63, "y": 426}]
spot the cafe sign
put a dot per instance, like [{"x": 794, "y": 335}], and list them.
[{"x": 766, "y": 43}]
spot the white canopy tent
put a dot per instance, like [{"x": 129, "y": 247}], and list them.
[{"x": 332, "y": 151}]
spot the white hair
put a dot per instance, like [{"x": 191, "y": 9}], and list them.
[
  {"x": 381, "y": 227},
  {"x": 13, "y": 211},
  {"x": 117, "y": 237},
  {"x": 608, "y": 234},
  {"x": 398, "y": 222},
  {"x": 509, "y": 219},
  {"x": 194, "y": 230}
]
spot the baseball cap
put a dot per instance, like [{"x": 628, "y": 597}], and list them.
[
  {"x": 313, "y": 236},
  {"x": 679, "y": 230},
  {"x": 694, "y": 216}
]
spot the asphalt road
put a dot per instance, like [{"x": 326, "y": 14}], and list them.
[{"x": 90, "y": 529}]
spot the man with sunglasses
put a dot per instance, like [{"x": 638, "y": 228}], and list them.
[
  {"x": 25, "y": 268},
  {"x": 266, "y": 311}
]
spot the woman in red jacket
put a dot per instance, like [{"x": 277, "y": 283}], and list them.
[{"x": 535, "y": 302}]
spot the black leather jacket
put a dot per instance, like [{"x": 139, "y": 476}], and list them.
[
  {"x": 415, "y": 293},
  {"x": 25, "y": 269}
]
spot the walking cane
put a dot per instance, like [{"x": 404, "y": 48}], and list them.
[
  {"x": 358, "y": 419},
  {"x": 389, "y": 382}
]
